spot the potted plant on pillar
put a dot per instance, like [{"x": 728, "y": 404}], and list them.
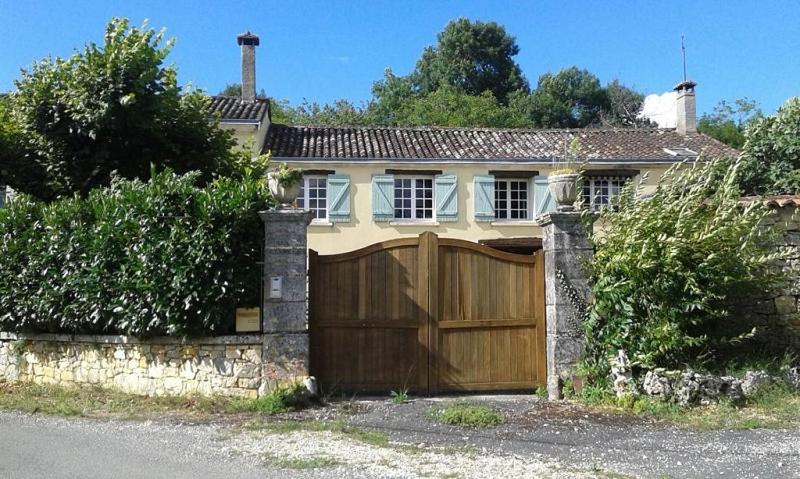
[
  {"x": 563, "y": 180},
  {"x": 284, "y": 184}
]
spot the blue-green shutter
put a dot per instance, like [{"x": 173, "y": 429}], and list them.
[
  {"x": 543, "y": 201},
  {"x": 446, "y": 196},
  {"x": 383, "y": 197},
  {"x": 484, "y": 197},
  {"x": 339, "y": 198}
]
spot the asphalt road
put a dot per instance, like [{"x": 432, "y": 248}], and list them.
[{"x": 57, "y": 448}]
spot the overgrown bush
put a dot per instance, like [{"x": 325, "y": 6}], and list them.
[
  {"x": 162, "y": 257},
  {"x": 667, "y": 265}
]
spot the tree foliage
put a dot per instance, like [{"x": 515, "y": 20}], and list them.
[
  {"x": 474, "y": 57},
  {"x": 771, "y": 152},
  {"x": 110, "y": 108},
  {"x": 667, "y": 266},
  {"x": 155, "y": 258},
  {"x": 470, "y": 79},
  {"x": 728, "y": 122}
]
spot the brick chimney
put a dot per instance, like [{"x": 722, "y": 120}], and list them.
[
  {"x": 687, "y": 108},
  {"x": 248, "y": 42}
]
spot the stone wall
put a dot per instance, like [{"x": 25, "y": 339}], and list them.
[
  {"x": 227, "y": 366},
  {"x": 775, "y": 313}
]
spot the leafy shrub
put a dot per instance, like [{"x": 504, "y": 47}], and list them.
[
  {"x": 771, "y": 153},
  {"x": 666, "y": 265},
  {"x": 162, "y": 257}
]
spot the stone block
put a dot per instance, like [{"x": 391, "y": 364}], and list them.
[
  {"x": 785, "y": 304},
  {"x": 293, "y": 287},
  {"x": 285, "y": 316},
  {"x": 223, "y": 367},
  {"x": 285, "y": 356},
  {"x": 246, "y": 370},
  {"x": 281, "y": 263},
  {"x": 173, "y": 386},
  {"x": 233, "y": 352}
]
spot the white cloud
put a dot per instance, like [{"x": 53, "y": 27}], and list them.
[
  {"x": 343, "y": 59},
  {"x": 661, "y": 109}
]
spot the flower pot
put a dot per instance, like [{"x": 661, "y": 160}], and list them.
[
  {"x": 285, "y": 195},
  {"x": 564, "y": 189}
]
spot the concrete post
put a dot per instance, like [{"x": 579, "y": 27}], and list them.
[
  {"x": 284, "y": 320},
  {"x": 567, "y": 250}
]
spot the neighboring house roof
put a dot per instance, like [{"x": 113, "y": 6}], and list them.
[
  {"x": 779, "y": 201},
  {"x": 313, "y": 143},
  {"x": 233, "y": 109}
]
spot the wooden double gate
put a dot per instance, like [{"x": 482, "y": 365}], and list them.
[{"x": 429, "y": 313}]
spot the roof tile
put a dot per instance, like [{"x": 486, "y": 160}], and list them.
[{"x": 471, "y": 144}]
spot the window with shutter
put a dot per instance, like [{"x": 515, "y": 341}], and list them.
[{"x": 483, "y": 192}]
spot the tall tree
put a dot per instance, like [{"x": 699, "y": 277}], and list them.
[
  {"x": 728, "y": 121},
  {"x": 623, "y": 107},
  {"x": 110, "y": 109},
  {"x": 572, "y": 98},
  {"x": 771, "y": 152},
  {"x": 474, "y": 57}
]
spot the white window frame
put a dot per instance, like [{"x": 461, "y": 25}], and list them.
[
  {"x": 528, "y": 200},
  {"x": 414, "y": 179},
  {"x": 302, "y": 201},
  {"x": 615, "y": 184}
]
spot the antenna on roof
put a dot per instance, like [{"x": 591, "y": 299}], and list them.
[{"x": 683, "y": 51}]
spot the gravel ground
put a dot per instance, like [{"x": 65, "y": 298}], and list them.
[
  {"x": 571, "y": 436},
  {"x": 539, "y": 440},
  {"x": 50, "y": 447}
]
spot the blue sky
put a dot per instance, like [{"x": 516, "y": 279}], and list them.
[{"x": 323, "y": 50}]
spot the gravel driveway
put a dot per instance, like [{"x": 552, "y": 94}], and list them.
[{"x": 540, "y": 440}]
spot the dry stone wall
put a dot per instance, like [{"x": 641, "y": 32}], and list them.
[
  {"x": 775, "y": 313},
  {"x": 227, "y": 366}
]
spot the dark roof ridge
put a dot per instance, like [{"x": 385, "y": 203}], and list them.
[{"x": 480, "y": 128}]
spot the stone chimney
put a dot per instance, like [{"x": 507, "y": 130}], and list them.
[
  {"x": 248, "y": 42},
  {"x": 687, "y": 108}
]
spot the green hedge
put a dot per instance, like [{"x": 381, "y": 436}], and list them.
[{"x": 144, "y": 259}]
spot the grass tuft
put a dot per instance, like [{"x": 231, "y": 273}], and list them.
[
  {"x": 468, "y": 415},
  {"x": 302, "y": 463}
]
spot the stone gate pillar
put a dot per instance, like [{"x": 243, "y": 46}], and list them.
[
  {"x": 284, "y": 325},
  {"x": 567, "y": 250}
]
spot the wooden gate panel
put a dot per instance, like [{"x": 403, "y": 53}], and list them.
[
  {"x": 489, "y": 327},
  {"x": 428, "y": 313},
  {"x": 366, "y": 318}
]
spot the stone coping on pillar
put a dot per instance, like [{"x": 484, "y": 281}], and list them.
[
  {"x": 285, "y": 214},
  {"x": 119, "y": 339},
  {"x": 557, "y": 217}
]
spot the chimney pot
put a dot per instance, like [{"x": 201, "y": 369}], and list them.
[
  {"x": 687, "y": 108},
  {"x": 248, "y": 42}
]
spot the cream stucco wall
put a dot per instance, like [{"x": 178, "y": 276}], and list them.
[
  {"x": 362, "y": 230},
  {"x": 247, "y": 134}
]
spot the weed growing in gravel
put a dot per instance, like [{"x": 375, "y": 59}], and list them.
[
  {"x": 400, "y": 396},
  {"x": 280, "y": 399},
  {"x": 468, "y": 415},
  {"x": 301, "y": 463}
]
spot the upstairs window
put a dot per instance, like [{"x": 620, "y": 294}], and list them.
[
  {"x": 511, "y": 199},
  {"x": 599, "y": 190},
  {"x": 413, "y": 198},
  {"x": 314, "y": 196}
]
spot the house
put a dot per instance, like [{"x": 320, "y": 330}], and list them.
[{"x": 371, "y": 184}]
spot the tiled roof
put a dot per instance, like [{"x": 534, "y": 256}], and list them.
[
  {"x": 484, "y": 144},
  {"x": 779, "y": 201},
  {"x": 232, "y": 108}
]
